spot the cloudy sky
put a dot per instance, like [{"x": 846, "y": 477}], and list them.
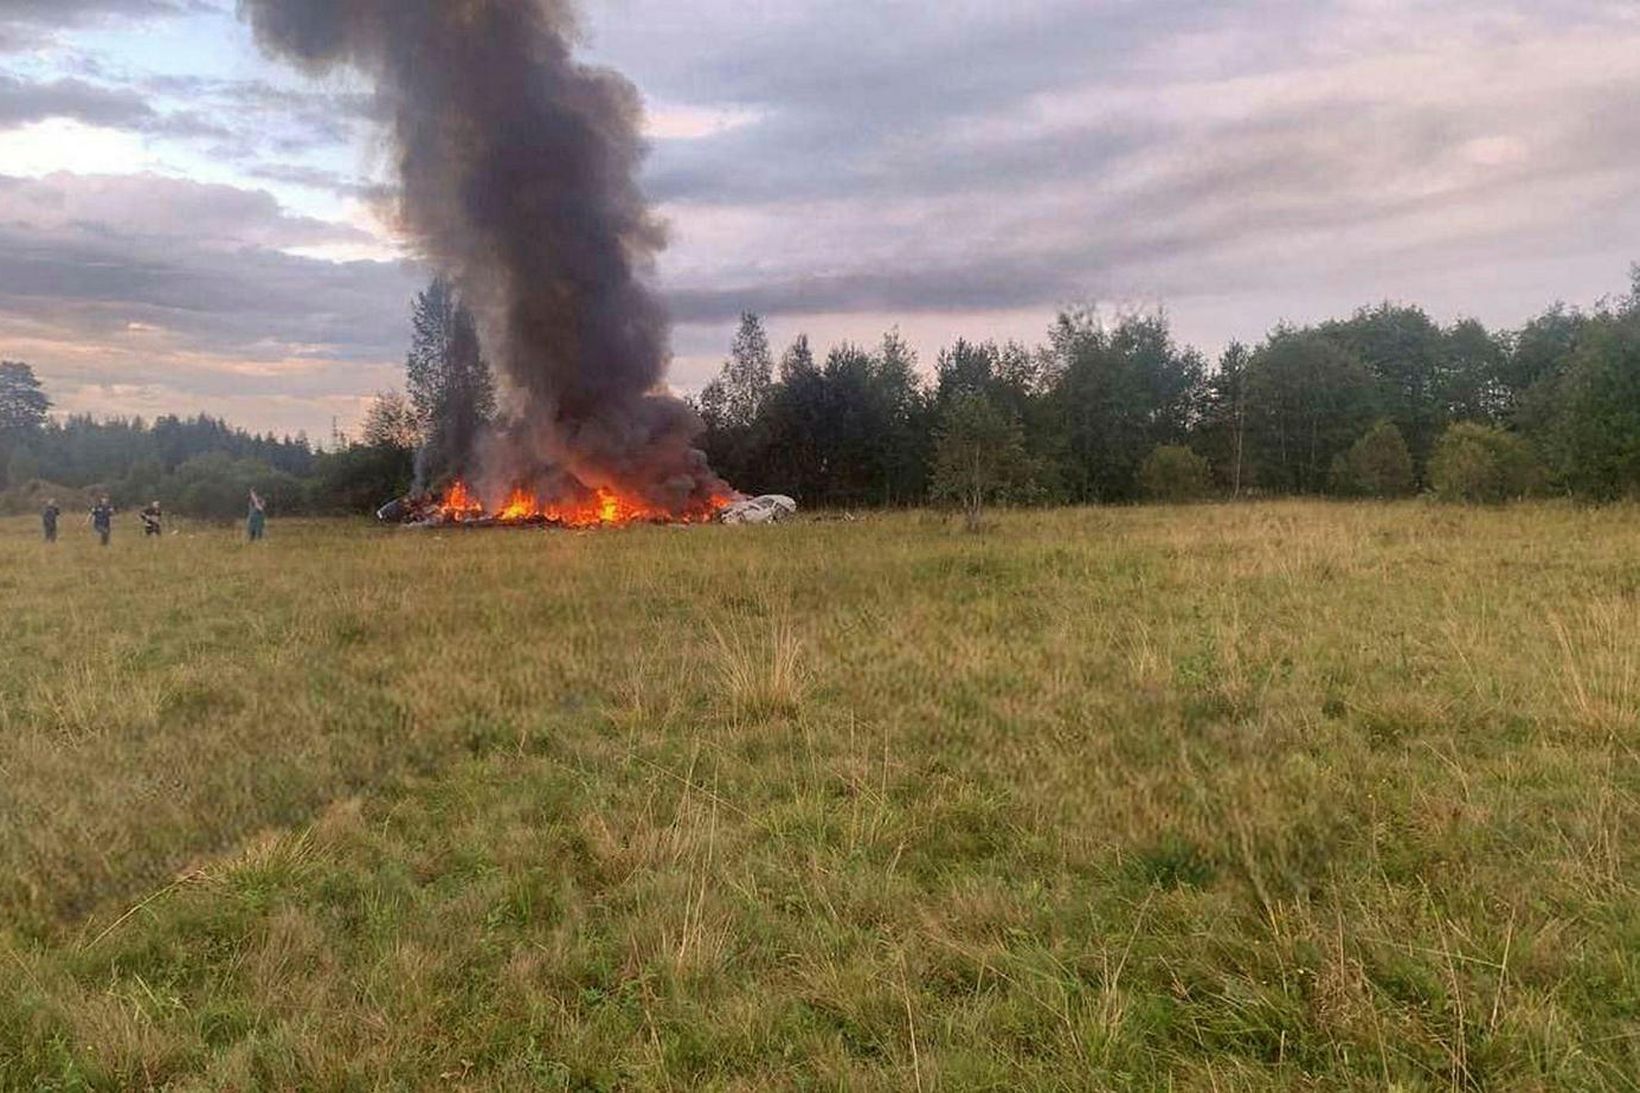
[{"x": 185, "y": 225}]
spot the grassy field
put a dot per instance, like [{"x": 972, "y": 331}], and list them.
[{"x": 1290, "y": 795}]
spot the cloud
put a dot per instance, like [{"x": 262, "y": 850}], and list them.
[
  {"x": 240, "y": 120},
  {"x": 319, "y": 178},
  {"x": 1001, "y": 286},
  {"x": 190, "y": 287},
  {"x": 970, "y": 160},
  {"x": 75, "y": 12},
  {"x": 28, "y": 24},
  {"x": 164, "y": 211},
  {"x": 261, "y": 112},
  {"x": 22, "y": 102}
]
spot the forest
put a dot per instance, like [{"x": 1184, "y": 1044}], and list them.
[{"x": 1109, "y": 408}]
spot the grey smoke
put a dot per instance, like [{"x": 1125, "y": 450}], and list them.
[{"x": 518, "y": 173}]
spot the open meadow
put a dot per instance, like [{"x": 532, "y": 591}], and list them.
[{"x": 1283, "y": 795}]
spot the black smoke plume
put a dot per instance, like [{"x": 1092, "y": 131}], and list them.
[{"x": 518, "y": 178}]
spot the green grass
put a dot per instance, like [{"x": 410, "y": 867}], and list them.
[{"x": 1293, "y": 796}]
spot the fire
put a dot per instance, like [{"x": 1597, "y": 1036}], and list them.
[
  {"x": 520, "y": 506},
  {"x": 602, "y": 507},
  {"x": 459, "y": 504}
]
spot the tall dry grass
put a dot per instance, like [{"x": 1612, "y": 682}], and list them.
[{"x": 1282, "y": 795}]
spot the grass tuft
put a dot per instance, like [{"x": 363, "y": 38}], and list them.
[{"x": 760, "y": 668}]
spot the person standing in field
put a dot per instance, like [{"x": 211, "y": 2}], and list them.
[
  {"x": 151, "y": 519},
  {"x": 48, "y": 520},
  {"x": 256, "y": 523},
  {"x": 102, "y": 520}
]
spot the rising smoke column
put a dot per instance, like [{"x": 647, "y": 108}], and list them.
[{"x": 518, "y": 174}]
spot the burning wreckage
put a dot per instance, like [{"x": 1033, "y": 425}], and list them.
[
  {"x": 460, "y": 507},
  {"x": 517, "y": 181}
]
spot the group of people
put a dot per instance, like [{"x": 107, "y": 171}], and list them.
[{"x": 152, "y": 517}]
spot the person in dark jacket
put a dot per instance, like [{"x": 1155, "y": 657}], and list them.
[
  {"x": 48, "y": 520},
  {"x": 102, "y": 520},
  {"x": 152, "y": 518}
]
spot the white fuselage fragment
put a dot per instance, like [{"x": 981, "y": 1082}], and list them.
[{"x": 769, "y": 509}]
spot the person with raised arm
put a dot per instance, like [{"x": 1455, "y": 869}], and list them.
[{"x": 256, "y": 522}]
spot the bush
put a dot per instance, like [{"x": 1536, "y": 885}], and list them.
[
  {"x": 361, "y": 478},
  {"x": 1475, "y": 462},
  {"x": 1173, "y": 473},
  {"x": 1377, "y": 465},
  {"x": 27, "y": 498},
  {"x": 217, "y": 487}
]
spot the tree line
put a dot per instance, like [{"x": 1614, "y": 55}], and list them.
[
  {"x": 1108, "y": 409},
  {"x": 1386, "y": 402}
]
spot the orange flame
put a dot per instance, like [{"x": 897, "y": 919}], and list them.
[
  {"x": 459, "y": 504},
  {"x": 520, "y": 506},
  {"x": 603, "y": 508}
]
